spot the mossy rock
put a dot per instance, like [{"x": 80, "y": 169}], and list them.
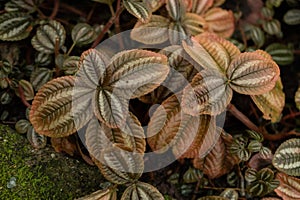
[{"x": 28, "y": 173}]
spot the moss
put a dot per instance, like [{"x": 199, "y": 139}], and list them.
[{"x": 41, "y": 174}]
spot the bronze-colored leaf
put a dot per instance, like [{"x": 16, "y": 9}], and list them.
[
  {"x": 289, "y": 188},
  {"x": 139, "y": 9},
  {"x": 176, "y": 9},
  {"x": 252, "y": 73},
  {"x": 153, "y": 32},
  {"x": 220, "y": 21},
  {"x": 141, "y": 191},
  {"x": 194, "y": 24},
  {"x": 52, "y": 113},
  {"x": 177, "y": 33},
  {"x": 208, "y": 93},
  {"x": 107, "y": 194},
  {"x": 120, "y": 166},
  {"x": 218, "y": 161},
  {"x": 201, "y": 6},
  {"x": 271, "y": 103}
]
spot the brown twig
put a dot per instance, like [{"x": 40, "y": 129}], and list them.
[
  {"x": 107, "y": 27},
  {"x": 291, "y": 115},
  {"x": 22, "y": 96},
  {"x": 56, "y": 52},
  {"x": 55, "y": 9},
  {"x": 65, "y": 6},
  {"x": 89, "y": 16}
]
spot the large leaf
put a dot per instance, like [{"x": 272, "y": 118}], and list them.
[
  {"x": 187, "y": 135},
  {"x": 220, "y": 21},
  {"x": 139, "y": 9},
  {"x": 52, "y": 113},
  {"x": 15, "y": 26},
  {"x": 141, "y": 191},
  {"x": 297, "y": 98},
  {"x": 289, "y": 188},
  {"x": 120, "y": 166},
  {"x": 49, "y": 35},
  {"x": 208, "y": 93},
  {"x": 271, "y": 103},
  {"x": 287, "y": 157},
  {"x": 211, "y": 52},
  {"x": 22, "y": 5},
  {"x": 252, "y": 73},
  {"x": 219, "y": 160},
  {"x": 153, "y": 32}
]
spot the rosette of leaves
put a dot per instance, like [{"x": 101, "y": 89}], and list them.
[
  {"x": 260, "y": 182},
  {"x": 225, "y": 70},
  {"x": 287, "y": 157},
  {"x": 184, "y": 18},
  {"x": 243, "y": 146}
]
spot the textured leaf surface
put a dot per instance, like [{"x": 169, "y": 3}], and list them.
[
  {"x": 289, "y": 188},
  {"x": 39, "y": 77},
  {"x": 36, "y": 140},
  {"x": 48, "y": 36},
  {"x": 141, "y": 191},
  {"x": 15, "y": 26},
  {"x": 272, "y": 27},
  {"x": 211, "y": 52},
  {"x": 139, "y": 9},
  {"x": 213, "y": 198},
  {"x": 107, "y": 194},
  {"x": 22, "y": 5},
  {"x": 219, "y": 160},
  {"x": 252, "y": 73},
  {"x": 71, "y": 65},
  {"x": 176, "y": 9},
  {"x": 153, "y": 32},
  {"x": 287, "y": 157},
  {"x": 207, "y": 94},
  {"x": 26, "y": 89},
  {"x": 292, "y": 17},
  {"x": 281, "y": 54},
  {"x": 83, "y": 33},
  {"x": 201, "y": 6},
  {"x": 271, "y": 103},
  {"x": 193, "y": 23},
  {"x": 297, "y": 98},
  {"x": 52, "y": 114},
  {"x": 120, "y": 166}
]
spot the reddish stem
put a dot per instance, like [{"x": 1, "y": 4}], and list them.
[
  {"x": 55, "y": 9},
  {"x": 22, "y": 96},
  {"x": 107, "y": 27}
]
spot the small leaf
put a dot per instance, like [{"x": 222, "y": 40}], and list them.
[
  {"x": 271, "y": 103},
  {"x": 5, "y": 98},
  {"x": 230, "y": 194},
  {"x": 141, "y": 191},
  {"x": 194, "y": 24},
  {"x": 272, "y": 27},
  {"x": 251, "y": 175},
  {"x": 281, "y": 54},
  {"x": 201, "y": 6},
  {"x": 287, "y": 157},
  {"x": 107, "y": 194},
  {"x": 22, "y": 5},
  {"x": 297, "y": 98},
  {"x": 43, "y": 59},
  {"x": 153, "y": 32},
  {"x": 289, "y": 188},
  {"x": 36, "y": 140},
  {"x": 138, "y": 9},
  {"x": 52, "y": 113},
  {"x": 22, "y": 126},
  {"x": 26, "y": 89},
  {"x": 219, "y": 160},
  {"x": 71, "y": 65},
  {"x": 39, "y": 77},
  {"x": 82, "y": 34},
  {"x": 254, "y": 146},
  {"x": 252, "y": 73},
  {"x": 49, "y": 35},
  {"x": 255, "y": 135},
  {"x": 258, "y": 36},
  {"x": 120, "y": 166},
  {"x": 292, "y": 17},
  {"x": 15, "y": 26},
  {"x": 208, "y": 94},
  {"x": 192, "y": 175}
]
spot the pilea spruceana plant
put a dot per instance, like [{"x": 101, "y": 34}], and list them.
[{"x": 167, "y": 97}]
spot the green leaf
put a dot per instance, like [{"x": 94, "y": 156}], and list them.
[
  {"x": 153, "y": 32},
  {"x": 258, "y": 36},
  {"x": 176, "y": 9},
  {"x": 22, "y": 126},
  {"x": 230, "y": 194},
  {"x": 292, "y": 17},
  {"x": 254, "y": 146},
  {"x": 271, "y": 103},
  {"x": 287, "y": 157},
  {"x": 49, "y": 35},
  {"x": 139, "y": 9},
  {"x": 39, "y": 77},
  {"x": 252, "y": 73},
  {"x": 22, "y": 5},
  {"x": 42, "y": 59},
  {"x": 120, "y": 166},
  {"x": 36, "y": 140},
  {"x": 281, "y": 54},
  {"x": 52, "y": 113},
  {"x": 26, "y": 88},
  {"x": 15, "y": 26},
  {"x": 192, "y": 175},
  {"x": 272, "y": 27},
  {"x": 141, "y": 191},
  {"x": 71, "y": 65},
  {"x": 208, "y": 94},
  {"x": 82, "y": 34}
]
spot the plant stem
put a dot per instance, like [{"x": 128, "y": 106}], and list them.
[
  {"x": 21, "y": 92},
  {"x": 56, "y": 52},
  {"x": 55, "y": 9},
  {"x": 89, "y": 16},
  {"x": 71, "y": 48},
  {"x": 65, "y": 6},
  {"x": 111, "y": 9},
  {"x": 107, "y": 27}
]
